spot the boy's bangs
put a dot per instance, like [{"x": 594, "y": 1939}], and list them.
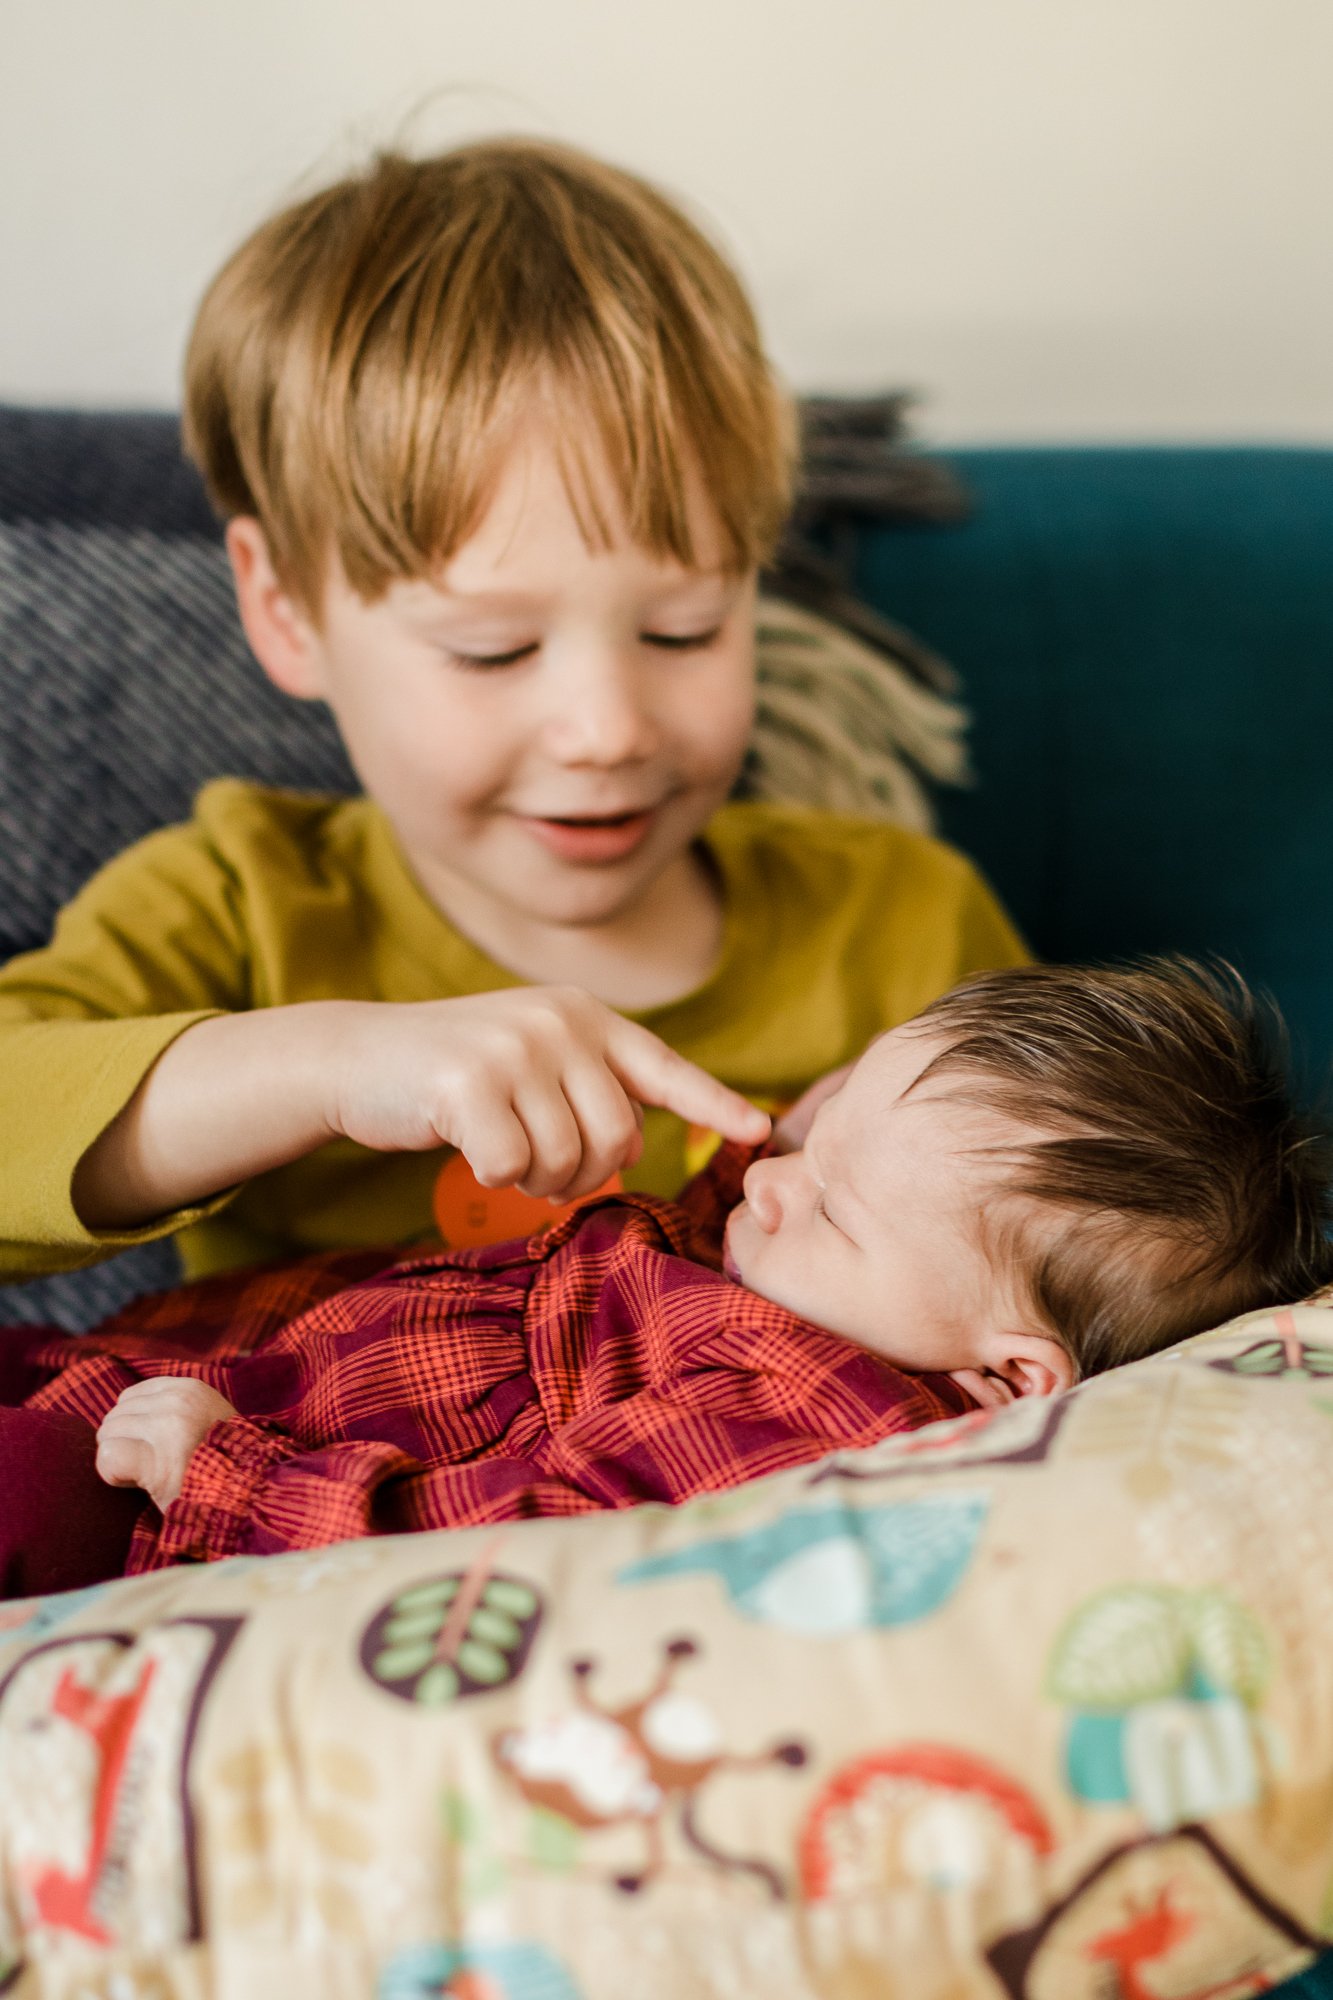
[
  {"x": 639, "y": 460},
  {"x": 642, "y": 463}
]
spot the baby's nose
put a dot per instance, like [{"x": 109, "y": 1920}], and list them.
[{"x": 760, "y": 1190}]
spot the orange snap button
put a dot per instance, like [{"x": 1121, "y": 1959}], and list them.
[{"x": 468, "y": 1215}]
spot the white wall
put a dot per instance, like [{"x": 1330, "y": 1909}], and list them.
[{"x": 1057, "y": 218}]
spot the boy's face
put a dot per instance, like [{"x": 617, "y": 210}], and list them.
[
  {"x": 873, "y": 1229},
  {"x": 547, "y": 726}
]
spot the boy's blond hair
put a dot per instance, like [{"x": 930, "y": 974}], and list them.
[{"x": 357, "y": 364}]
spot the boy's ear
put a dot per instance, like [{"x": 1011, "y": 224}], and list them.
[
  {"x": 1033, "y": 1364},
  {"x": 282, "y": 636}
]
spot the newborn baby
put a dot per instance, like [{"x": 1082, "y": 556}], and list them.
[{"x": 1048, "y": 1172}]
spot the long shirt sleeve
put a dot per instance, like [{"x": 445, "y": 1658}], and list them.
[{"x": 82, "y": 1023}]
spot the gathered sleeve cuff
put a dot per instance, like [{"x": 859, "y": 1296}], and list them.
[{"x": 251, "y": 1490}]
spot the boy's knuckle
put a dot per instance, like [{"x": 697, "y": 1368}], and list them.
[
  {"x": 500, "y": 1166},
  {"x": 471, "y": 1094},
  {"x": 621, "y": 1127}
]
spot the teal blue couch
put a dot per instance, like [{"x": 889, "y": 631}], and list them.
[{"x": 1146, "y": 640}]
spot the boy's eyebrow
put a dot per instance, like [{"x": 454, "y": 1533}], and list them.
[
  {"x": 512, "y": 597},
  {"x": 443, "y": 596}
]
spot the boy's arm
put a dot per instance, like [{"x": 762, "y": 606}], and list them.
[
  {"x": 149, "y": 949},
  {"x": 537, "y": 1086},
  {"x": 142, "y": 1077}
]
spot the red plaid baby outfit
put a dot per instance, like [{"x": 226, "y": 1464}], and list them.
[{"x": 603, "y": 1363}]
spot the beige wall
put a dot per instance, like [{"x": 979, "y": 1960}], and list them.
[{"x": 1056, "y": 218}]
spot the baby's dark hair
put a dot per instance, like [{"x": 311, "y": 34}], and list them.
[{"x": 1166, "y": 1132}]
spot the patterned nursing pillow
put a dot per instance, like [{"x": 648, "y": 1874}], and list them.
[{"x": 1038, "y": 1703}]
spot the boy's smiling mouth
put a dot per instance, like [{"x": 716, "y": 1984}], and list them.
[{"x": 590, "y": 837}]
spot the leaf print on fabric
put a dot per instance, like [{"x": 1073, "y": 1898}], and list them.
[
  {"x": 455, "y": 1635},
  {"x": 1143, "y": 1642},
  {"x": 1284, "y": 1355},
  {"x": 1230, "y": 1650},
  {"x": 1124, "y": 1645}
]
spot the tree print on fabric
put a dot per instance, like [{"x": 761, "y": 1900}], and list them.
[{"x": 1162, "y": 1685}]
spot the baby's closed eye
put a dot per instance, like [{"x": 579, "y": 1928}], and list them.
[{"x": 821, "y": 1209}]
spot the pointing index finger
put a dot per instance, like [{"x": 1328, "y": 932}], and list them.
[{"x": 655, "y": 1074}]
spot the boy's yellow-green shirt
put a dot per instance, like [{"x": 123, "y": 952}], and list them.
[{"x": 835, "y": 928}]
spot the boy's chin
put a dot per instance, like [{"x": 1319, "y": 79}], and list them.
[{"x": 580, "y": 893}]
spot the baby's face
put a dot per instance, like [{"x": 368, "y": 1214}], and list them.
[{"x": 873, "y": 1228}]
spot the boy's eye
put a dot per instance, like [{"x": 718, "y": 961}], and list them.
[
  {"x": 681, "y": 642},
  {"x": 508, "y": 659}
]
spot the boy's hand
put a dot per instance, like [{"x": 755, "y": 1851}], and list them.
[
  {"x": 149, "y": 1436},
  {"x": 540, "y": 1087}
]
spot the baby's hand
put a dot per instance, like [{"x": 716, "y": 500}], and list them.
[
  {"x": 540, "y": 1087},
  {"x": 150, "y": 1434}
]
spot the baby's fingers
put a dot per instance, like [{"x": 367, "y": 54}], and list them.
[
  {"x": 122, "y": 1458},
  {"x": 654, "y": 1073}
]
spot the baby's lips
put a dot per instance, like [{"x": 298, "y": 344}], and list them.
[{"x": 729, "y": 1266}]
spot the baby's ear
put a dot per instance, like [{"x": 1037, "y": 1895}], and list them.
[
  {"x": 282, "y": 636},
  {"x": 1034, "y": 1364}
]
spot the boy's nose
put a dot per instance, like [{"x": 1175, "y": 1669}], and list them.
[{"x": 601, "y": 718}]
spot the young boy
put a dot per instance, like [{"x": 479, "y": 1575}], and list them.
[
  {"x": 500, "y": 454},
  {"x": 1048, "y": 1172}
]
